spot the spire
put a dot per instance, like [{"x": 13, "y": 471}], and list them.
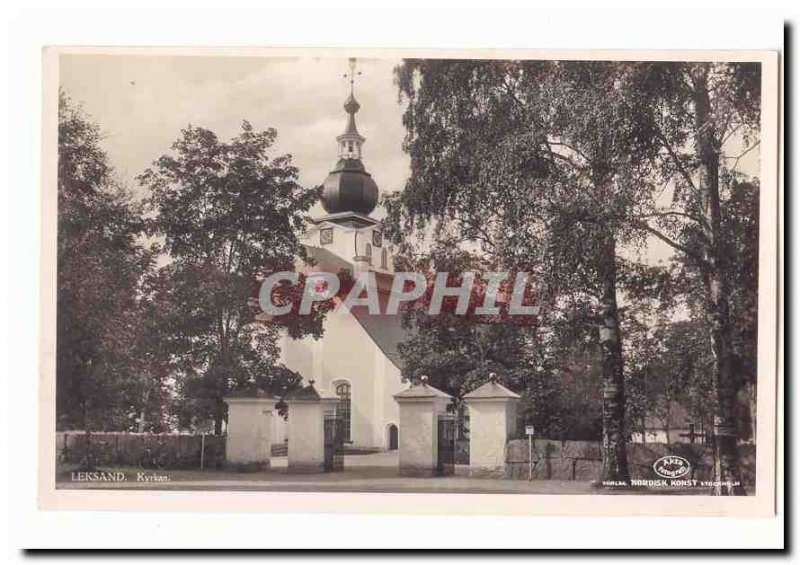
[
  {"x": 350, "y": 141},
  {"x": 349, "y": 188}
]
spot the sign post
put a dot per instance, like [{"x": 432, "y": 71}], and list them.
[{"x": 529, "y": 433}]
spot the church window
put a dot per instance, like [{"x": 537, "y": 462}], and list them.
[
  {"x": 384, "y": 259},
  {"x": 343, "y": 407},
  {"x": 368, "y": 253},
  {"x": 326, "y": 236}
]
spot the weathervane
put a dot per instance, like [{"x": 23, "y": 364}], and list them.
[{"x": 352, "y": 74}]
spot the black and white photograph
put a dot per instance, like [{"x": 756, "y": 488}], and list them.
[{"x": 398, "y": 274}]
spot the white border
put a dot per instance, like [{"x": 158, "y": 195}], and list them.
[
  {"x": 671, "y": 25},
  {"x": 762, "y": 504}
]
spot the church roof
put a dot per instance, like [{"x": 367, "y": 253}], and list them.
[
  {"x": 326, "y": 260},
  {"x": 347, "y": 219},
  {"x": 386, "y": 330},
  {"x": 491, "y": 389}
]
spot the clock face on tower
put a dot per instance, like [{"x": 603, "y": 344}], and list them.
[{"x": 377, "y": 238}]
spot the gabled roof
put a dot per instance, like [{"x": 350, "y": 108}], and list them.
[
  {"x": 249, "y": 392},
  {"x": 491, "y": 389},
  {"x": 423, "y": 390},
  {"x": 305, "y": 393}
]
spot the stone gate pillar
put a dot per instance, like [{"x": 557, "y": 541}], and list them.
[
  {"x": 419, "y": 408},
  {"x": 247, "y": 446},
  {"x": 492, "y": 421},
  {"x": 306, "y": 429}
]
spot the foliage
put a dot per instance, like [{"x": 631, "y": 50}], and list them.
[
  {"x": 229, "y": 215},
  {"x": 101, "y": 262},
  {"x": 534, "y": 164}
]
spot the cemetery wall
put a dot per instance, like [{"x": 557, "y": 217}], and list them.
[
  {"x": 583, "y": 460},
  {"x": 148, "y": 451}
]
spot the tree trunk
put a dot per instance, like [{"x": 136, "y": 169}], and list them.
[
  {"x": 143, "y": 413},
  {"x": 717, "y": 290},
  {"x": 752, "y": 402},
  {"x": 615, "y": 459},
  {"x": 726, "y": 467},
  {"x": 219, "y": 417}
]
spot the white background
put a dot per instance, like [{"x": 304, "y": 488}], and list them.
[{"x": 579, "y": 25}]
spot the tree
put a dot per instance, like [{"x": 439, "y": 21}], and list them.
[
  {"x": 229, "y": 216},
  {"x": 671, "y": 371},
  {"x": 699, "y": 113},
  {"x": 101, "y": 262},
  {"x": 740, "y": 215},
  {"x": 457, "y": 352},
  {"x": 536, "y": 164}
]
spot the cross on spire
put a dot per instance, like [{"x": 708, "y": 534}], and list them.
[{"x": 352, "y": 74}]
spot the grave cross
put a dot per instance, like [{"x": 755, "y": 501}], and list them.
[{"x": 691, "y": 434}]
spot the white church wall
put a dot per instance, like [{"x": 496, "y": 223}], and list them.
[
  {"x": 346, "y": 352},
  {"x": 296, "y": 355},
  {"x": 343, "y": 244},
  {"x": 394, "y": 384},
  {"x": 348, "y": 355}
]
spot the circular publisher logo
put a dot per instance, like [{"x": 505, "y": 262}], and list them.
[{"x": 671, "y": 467}]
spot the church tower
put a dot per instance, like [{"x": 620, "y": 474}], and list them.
[
  {"x": 357, "y": 358},
  {"x": 349, "y": 194}
]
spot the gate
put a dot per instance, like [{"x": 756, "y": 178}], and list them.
[
  {"x": 334, "y": 443},
  {"x": 445, "y": 445}
]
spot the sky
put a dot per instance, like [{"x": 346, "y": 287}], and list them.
[{"x": 142, "y": 102}]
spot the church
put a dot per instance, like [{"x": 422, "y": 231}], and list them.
[{"x": 356, "y": 360}]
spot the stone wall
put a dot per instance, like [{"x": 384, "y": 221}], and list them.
[
  {"x": 148, "y": 451},
  {"x": 583, "y": 460}
]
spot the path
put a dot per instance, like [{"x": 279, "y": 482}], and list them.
[{"x": 375, "y": 472}]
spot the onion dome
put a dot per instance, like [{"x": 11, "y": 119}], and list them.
[{"x": 349, "y": 188}]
